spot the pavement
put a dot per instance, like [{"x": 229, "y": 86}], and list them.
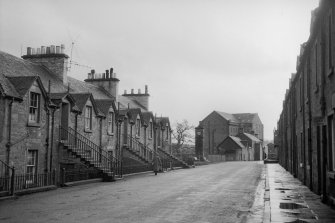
[
  {"x": 223, "y": 192},
  {"x": 286, "y": 199}
]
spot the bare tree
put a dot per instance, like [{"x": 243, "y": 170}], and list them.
[{"x": 183, "y": 134}]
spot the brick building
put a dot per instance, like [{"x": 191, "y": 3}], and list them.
[
  {"x": 50, "y": 122},
  {"x": 305, "y": 130},
  {"x": 217, "y": 126}
]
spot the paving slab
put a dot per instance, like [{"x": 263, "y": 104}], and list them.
[{"x": 291, "y": 201}]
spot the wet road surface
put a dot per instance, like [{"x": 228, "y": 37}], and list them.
[{"x": 221, "y": 192}]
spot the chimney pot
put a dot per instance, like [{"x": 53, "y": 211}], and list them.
[
  {"x": 146, "y": 89},
  {"x": 28, "y": 50},
  {"x": 38, "y": 51},
  {"x": 62, "y": 48},
  {"x": 33, "y": 51},
  {"x": 92, "y": 71},
  {"x": 52, "y": 49},
  {"x": 104, "y": 76},
  {"x": 48, "y": 49},
  {"x": 58, "y": 49},
  {"x": 139, "y": 91},
  {"x": 42, "y": 49},
  {"x": 111, "y": 71},
  {"x": 107, "y": 74},
  {"x": 132, "y": 91},
  {"x": 125, "y": 91}
]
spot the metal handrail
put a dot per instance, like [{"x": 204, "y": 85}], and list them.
[{"x": 90, "y": 151}]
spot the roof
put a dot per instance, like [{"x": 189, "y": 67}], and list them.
[
  {"x": 125, "y": 101},
  {"x": 252, "y": 137},
  {"x": 104, "y": 105},
  {"x": 163, "y": 121},
  {"x": 146, "y": 117},
  {"x": 235, "y": 139},
  {"x": 245, "y": 117},
  {"x": 12, "y": 66},
  {"x": 22, "y": 84},
  {"x": 7, "y": 88},
  {"x": 81, "y": 99},
  {"x": 133, "y": 113},
  {"x": 227, "y": 116}
]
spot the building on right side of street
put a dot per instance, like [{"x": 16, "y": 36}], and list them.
[{"x": 305, "y": 134}]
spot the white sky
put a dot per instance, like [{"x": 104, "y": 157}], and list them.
[{"x": 196, "y": 55}]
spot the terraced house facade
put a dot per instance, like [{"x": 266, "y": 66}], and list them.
[
  {"x": 305, "y": 131},
  {"x": 55, "y": 129}
]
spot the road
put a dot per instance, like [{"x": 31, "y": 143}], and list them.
[{"x": 223, "y": 192}]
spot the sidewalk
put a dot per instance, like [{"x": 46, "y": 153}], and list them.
[{"x": 288, "y": 200}]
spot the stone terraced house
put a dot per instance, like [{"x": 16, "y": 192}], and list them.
[{"x": 56, "y": 129}]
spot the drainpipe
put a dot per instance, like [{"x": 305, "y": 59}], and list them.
[
  {"x": 47, "y": 140},
  {"x": 76, "y": 127},
  {"x": 9, "y": 129},
  {"x": 100, "y": 139},
  {"x": 52, "y": 135}
]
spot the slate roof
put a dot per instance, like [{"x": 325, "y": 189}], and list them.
[
  {"x": 7, "y": 88},
  {"x": 12, "y": 66},
  {"x": 146, "y": 117},
  {"x": 237, "y": 141},
  {"x": 245, "y": 117},
  {"x": 252, "y": 137},
  {"x": 104, "y": 105},
  {"x": 227, "y": 116},
  {"x": 133, "y": 112},
  {"x": 163, "y": 121},
  {"x": 81, "y": 99},
  {"x": 124, "y": 101},
  {"x": 22, "y": 84}
]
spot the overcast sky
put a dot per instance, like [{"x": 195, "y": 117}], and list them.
[{"x": 196, "y": 56}]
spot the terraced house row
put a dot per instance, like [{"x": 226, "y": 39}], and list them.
[
  {"x": 56, "y": 129},
  {"x": 305, "y": 132}
]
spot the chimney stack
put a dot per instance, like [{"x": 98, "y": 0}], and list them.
[{"x": 49, "y": 57}]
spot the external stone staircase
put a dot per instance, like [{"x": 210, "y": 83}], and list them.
[
  {"x": 90, "y": 154},
  {"x": 173, "y": 158}
]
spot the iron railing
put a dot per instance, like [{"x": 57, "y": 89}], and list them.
[
  {"x": 175, "y": 162},
  {"x": 26, "y": 181},
  {"x": 139, "y": 148},
  {"x": 90, "y": 152},
  {"x": 7, "y": 174}
]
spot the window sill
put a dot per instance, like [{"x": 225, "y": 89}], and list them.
[
  {"x": 330, "y": 71},
  {"x": 88, "y": 130},
  {"x": 33, "y": 124},
  {"x": 150, "y": 138},
  {"x": 331, "y": 175},
  {"x": 110, "y": 133},
  {"x": 316, "y": 89}
]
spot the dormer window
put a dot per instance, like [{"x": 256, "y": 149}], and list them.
[
  {"x": 110, "y": 127},
  {"x": 34, "y": 107},
  {"x": 88, "y": 118}
]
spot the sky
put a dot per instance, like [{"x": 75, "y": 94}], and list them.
[{"x": 196, "y": 56}]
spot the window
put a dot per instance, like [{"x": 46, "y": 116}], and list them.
[
  {"x": 330, "y": 55},
  {"x": 151, "y": 129},
  {"x": 331, "y": 141},
  {"x": 31, "y": 166},
  {"x": 110, "y": 127},
  {"x": 88, "y": 118},
  {"x": 138, "y": 127},
  {"x": 34, "y": 107},
  {"x": 316, "y": 64},
  {"x": 167, "y": 132}
]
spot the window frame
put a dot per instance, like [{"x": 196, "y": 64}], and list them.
[
  {"x": 167, "y": 132},
  {"x": 138, "y": 127},
  {"x": 36, "y": 107},
  {"x": 88, "y": 117},
  {"x": 31, "y": 175},
  {"x": 110, "y": 123},
  {"x": 151, "y": 129}
]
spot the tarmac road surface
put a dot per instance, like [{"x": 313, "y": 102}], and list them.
[{"x": 223, "y": 192}]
